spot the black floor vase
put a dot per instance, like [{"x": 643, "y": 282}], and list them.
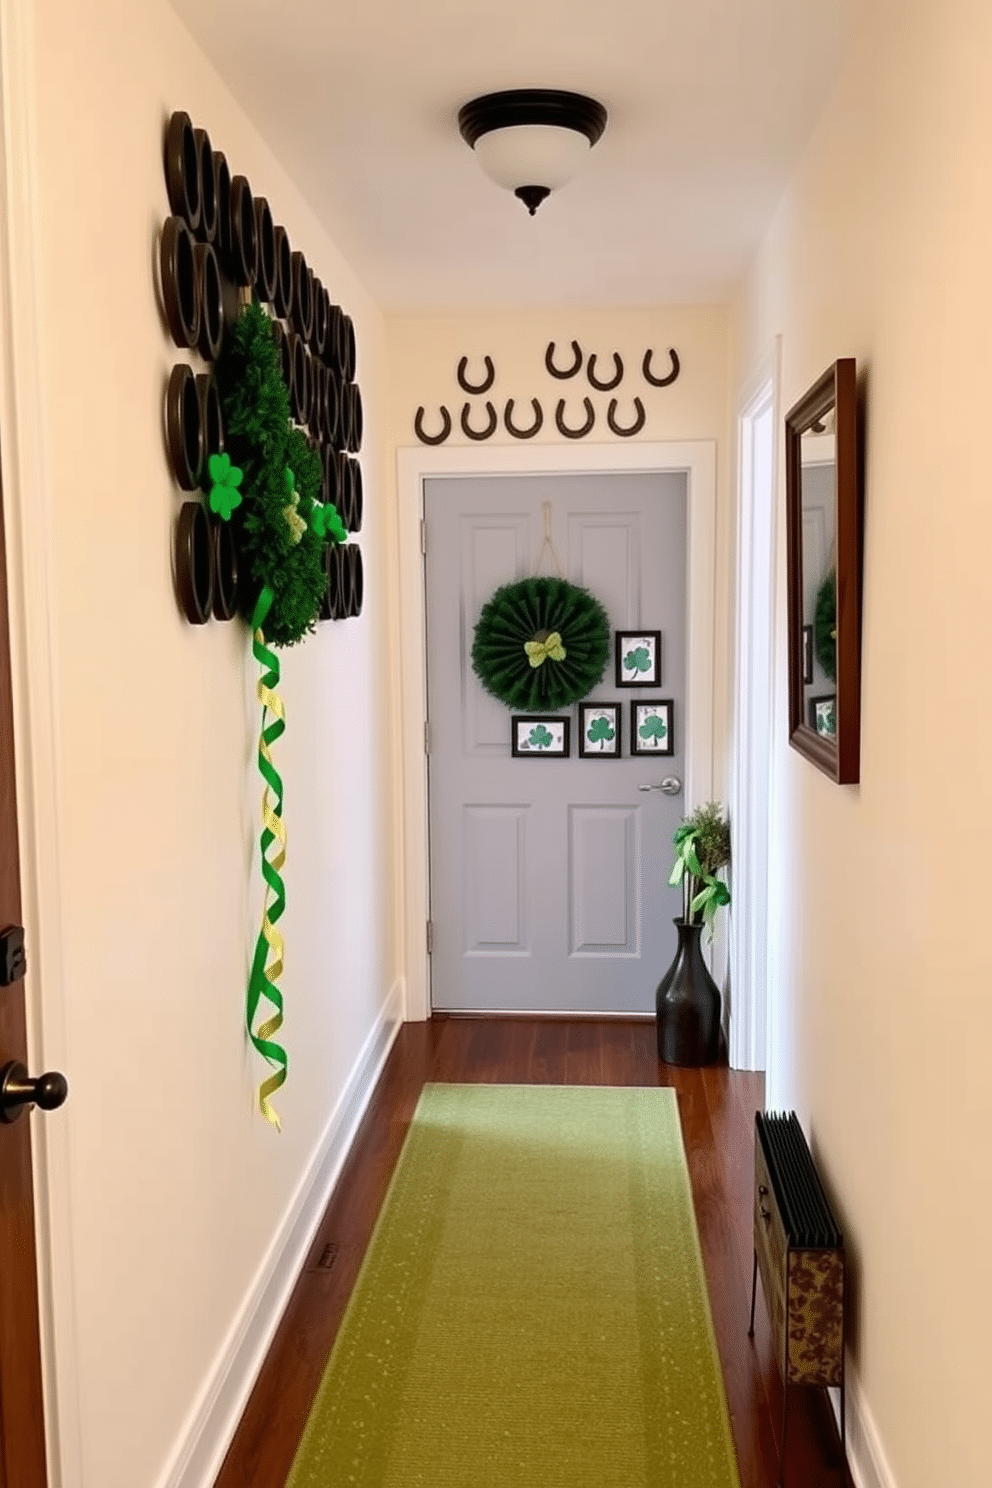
[{"x": 688, "y": 1004}]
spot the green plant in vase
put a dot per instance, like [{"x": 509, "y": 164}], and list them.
[
  {"x": 702, "y": 848},
  {"x": 688, "y": 1000}
]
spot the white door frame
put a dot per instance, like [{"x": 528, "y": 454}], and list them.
[
  {"x": 420, "y": 463},
  {"x": 754, "y": 721},
  {"x": 31, "y": 589}
]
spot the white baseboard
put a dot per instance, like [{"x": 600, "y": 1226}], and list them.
[
  {"x": 865, "y": 1454},
  {"x": 211, "y": 1424}
]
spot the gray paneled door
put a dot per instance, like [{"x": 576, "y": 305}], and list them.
[{"x": 549, "y": 877}]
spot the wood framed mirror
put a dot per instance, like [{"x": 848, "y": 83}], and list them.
[{"x": 824, "y": 535}]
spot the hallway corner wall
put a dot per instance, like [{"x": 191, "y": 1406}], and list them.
[
  {"x": 880, "y": 250},
  {"x": 183, "y": 1212}
]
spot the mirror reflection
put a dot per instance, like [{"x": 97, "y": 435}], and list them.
[{"x": 818, "y": 469}]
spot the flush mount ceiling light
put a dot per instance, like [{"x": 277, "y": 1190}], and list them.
[{"x": 532, "y": 140}]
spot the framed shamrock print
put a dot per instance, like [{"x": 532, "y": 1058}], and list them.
[
  {"x": 599, "y": 730},
  {"x": 823, "y": 715},
  {"x": 651, "y": 730},
  {"x": 537, "y": 737},
  {"x": 638, "y": 658}
]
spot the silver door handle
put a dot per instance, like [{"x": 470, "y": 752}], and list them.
[{"x": 670, "y": 786}]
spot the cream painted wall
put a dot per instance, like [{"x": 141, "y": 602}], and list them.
[
  {"x": 423, "y": 356},
  {"x": 881, "y": 250},
  {"x": 178, "y": 1188}
]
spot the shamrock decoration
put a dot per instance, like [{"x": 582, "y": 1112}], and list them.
[
  {"x": 225, "y": 479},
  {"x": 543, "y": 647},
  {"x": 653, "y": 727},
  {"x": 297, "y": 526},
  {"x": 600, "y": 730},
  {"x": 326, "y": 523},
  {"x": 637, "y": 661},
  {"x": 539, "y": 738},
  {"x": 825, "y": 718}
]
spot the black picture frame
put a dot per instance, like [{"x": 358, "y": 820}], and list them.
[
  {"x": 816, "y": 717},
  {"x": 593, "y": 749},
  {"x": 640, "y": 712},
  {"x": 522, "y": 725},
  {"x": 628, "y": 641},
  {"x": 807, "y": 655}
]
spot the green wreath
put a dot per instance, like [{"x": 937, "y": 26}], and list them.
[
  {"x": 825, "y": 626},
  {"x": 541, "y": 644},
  {"x": 280, "y": 525}
]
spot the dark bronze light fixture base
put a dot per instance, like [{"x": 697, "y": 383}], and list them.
[{"x": 532, "y": 196}]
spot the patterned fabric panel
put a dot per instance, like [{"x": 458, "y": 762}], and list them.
[{"x": 816, "y": 1317}]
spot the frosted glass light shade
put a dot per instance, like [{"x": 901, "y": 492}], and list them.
[
  {"x": 531, "y": 140},
  {"x": 532, "y": 155}
]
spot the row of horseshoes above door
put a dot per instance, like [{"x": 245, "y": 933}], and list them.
[
  {"x": 605, "y": 385},
  {"x": 488, "y": 429},
  {"x": 568, "y": 431}
]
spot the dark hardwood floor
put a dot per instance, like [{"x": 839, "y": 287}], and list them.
[{"x": 717, "y": 1108}]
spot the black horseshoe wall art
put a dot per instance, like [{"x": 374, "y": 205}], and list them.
[
  {"x": 208, "y": 186},
  {"x": 575, "y": 433},
  {"x": 184, "y": 426},
  {"x": 614, "y": 381},
  {"x": 511, "y": 427},
  {"x": 182, "y": 169},
  {"x": 425, "y": 438},
  {"x": 479, "y": 434},
  {"x": 224, "y": 603},
  {"x": 476, "y": 388},
  {"x": 222, "y": 190},
  {"x": 660, "y": 381},
  {"x": 180, "y": 282},
  {"x": 332, "y": 607},
  {"x": 211, "y": 419},
  {"x": 194, "y": 562},
  {"x": 211, "y": 294},
  {"x": 634, "y": 428},
  {"x": 576, "y": 367},
  {"x": 218, "y": 242}
]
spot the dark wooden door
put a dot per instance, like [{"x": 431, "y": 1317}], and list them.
[{"x": 22, "y": 1423}]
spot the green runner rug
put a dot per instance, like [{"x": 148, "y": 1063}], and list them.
[{"x": 532, "y": 1311}]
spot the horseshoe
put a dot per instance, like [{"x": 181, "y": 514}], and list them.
[
  {"x": 636, "y": 426},
  {"x": 549, "y": 361},
  {"x": 660, "y": 381},
  {"x": 483, "y": 386},
  {"x": 490, "y": 428},
  {"x": 605, "y": 387},
  {"x": 418, "y": 427},
  {"x": 511, "y": 427},
  {"x": 575, "y": 433}
]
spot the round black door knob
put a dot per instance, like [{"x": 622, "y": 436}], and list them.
[{"x": 17, "y": 1090}]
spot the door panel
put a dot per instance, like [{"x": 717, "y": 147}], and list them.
[
  {"x": 603, "y": 556},
  {"x": 549, "y": 877},
  {"x": 496, "y": 865},
  {"x": 602, "y": 860},
  {"x": 490, "y": 549},
  {"x": 22, "y": 1424}
]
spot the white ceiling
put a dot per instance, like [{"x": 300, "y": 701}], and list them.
[{"x": 710, "y": 103}]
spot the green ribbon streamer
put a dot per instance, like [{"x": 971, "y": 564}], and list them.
[{"x": 267, "y": 963}]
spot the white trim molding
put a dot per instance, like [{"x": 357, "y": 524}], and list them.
[
  {"x": 753, "y": 720},
  {"x": 866, "y": 1458},
  {"x": 31, "y": 575},
  {"x": 415, "y": 466},
  {"x": 205, "y": 1437}
]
